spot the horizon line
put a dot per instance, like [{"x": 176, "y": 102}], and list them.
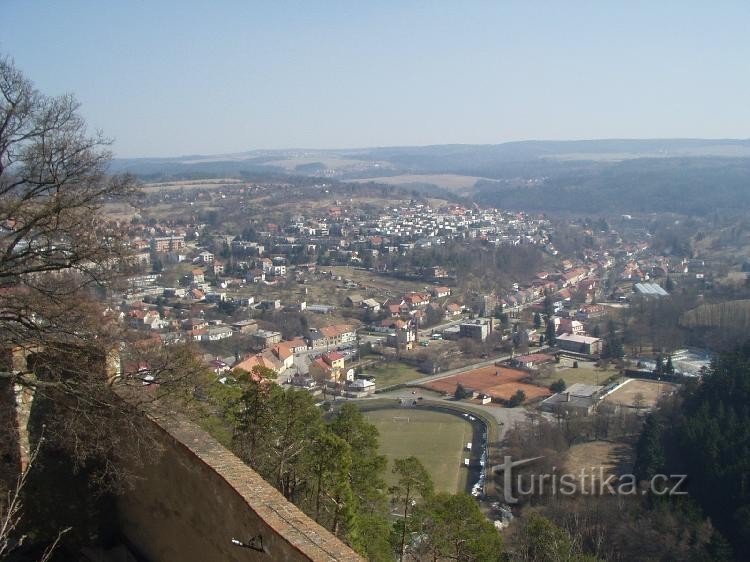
[{"x": 403, "y": 146}]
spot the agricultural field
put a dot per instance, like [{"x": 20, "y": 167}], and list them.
[{"x": 437, "y": 439}]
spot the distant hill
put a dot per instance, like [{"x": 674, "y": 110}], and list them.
[
  {"x": 691, "y": 176},
  {"x": 453, "y": 157},
  {"x": 692, "y": 186}
]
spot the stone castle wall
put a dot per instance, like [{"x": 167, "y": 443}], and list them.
[{"x": 195, "y": 496}]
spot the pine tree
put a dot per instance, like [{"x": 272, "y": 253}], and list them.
[
  {"x": 659, "y": 365},
  {"x": 669, "y": 367},
  {"x": 550, "y": 333},
  {"x": 414, "y": 483}
]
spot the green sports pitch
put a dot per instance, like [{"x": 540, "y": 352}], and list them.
[{"x": 437, "y": 439}]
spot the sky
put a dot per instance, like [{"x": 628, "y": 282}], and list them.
[{"x": 168, "y": 78}]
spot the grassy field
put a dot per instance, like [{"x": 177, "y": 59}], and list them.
[
  {"x": 613, "y": 458},
  {"x": 586, "y": 373},
  {"x": 435, "y": 438},
  {"x": 371, "y": 279},
  {"x": 387, "y": 374}
]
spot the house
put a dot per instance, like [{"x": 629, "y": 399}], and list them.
[
  {"x": 589, "y": 311},
  {"x": 332, "y": 336},
  {"x": 361, "y": 387},
  {"x": 316, "y": 339},
  {"x": 284, "y": 354},
  {"x": 206, "y": 257},
  {"x": 178, "y": 292},
  {"x": 403, "y": 338},
  {"x": 416, "y": 300},
  {"x": 371, "y": 304},
  {"x": 329, "y": 367},
  {"x": 353, "y": 301},
  {"x": 265, "y": 338},
  {"x": 277, "y": 270},
  {"x": 196, "y": 295},
  {"x": 273, "y": 304},
  {"x": 216, "y": 333},
  {"x": 245, "y": 326},
  {"x": 568, "y": 326},
  {"x": 197, "y": 277},
  {"x": 255, "y": 276},
  {"x": 265, "y": 359},
  {"x": 533, "y": 361},
  {"x": 303, "y": 381},
  {"x": 394, "y": 310},
  {"x": 440, "y": 292},
  {"x": 297, "y": 345},
  {"x": 195, "y": 324},
  {"x": 453, "y": 309}
]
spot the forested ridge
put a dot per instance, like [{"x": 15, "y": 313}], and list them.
[{"x": 705, "y": 433}]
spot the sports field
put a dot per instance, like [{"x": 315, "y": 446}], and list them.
[
  {"x": 497, "y": 382},
  {"x": 650, "y": 392},
  {"x": 435, "y": 438}
]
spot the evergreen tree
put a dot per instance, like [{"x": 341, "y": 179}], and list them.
[
  {"x": 669, "y": 367},
  {"x": 368, "y": 467},
  {"x": 550, "y": 334},
  {"x": 549, "y": 308},
  {"x": 613, "y": 348},
  {"x": 650, "y": 457},
  {"x": 558, "y": 386},
  {"x": 543, "y": 541},
  {"x": 517, "y": 399},
  {"x": 330, "y": 498},
  {"x": 659, "y": 370},
  {"x": 452, "y": 527},
  {"x": 414, "y": 483},
  {"x": 537, "y": 320}
]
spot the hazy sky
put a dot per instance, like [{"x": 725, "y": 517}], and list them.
[{"x": 169, "y": 78}]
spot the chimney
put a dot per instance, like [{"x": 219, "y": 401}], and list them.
[{"x": 567, "y": 396}]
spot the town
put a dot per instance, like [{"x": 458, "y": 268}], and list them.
[{"x": 418, "y": 282}]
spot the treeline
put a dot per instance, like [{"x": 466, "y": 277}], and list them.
[
  {"x": 732, "y": 314},
  {"x": 331, "y": 469},
  {"x": 705, "y": 433},
  {"x": 553, "y": 526},
  {"x": 477, "y": 266}
]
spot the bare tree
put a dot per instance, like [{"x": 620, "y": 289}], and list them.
[
  {"x": 10, "y": 515},
  {"x": 59, "y": 258}
]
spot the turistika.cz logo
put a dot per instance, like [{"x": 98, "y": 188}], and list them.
[{"x": 587, "y": 482}]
